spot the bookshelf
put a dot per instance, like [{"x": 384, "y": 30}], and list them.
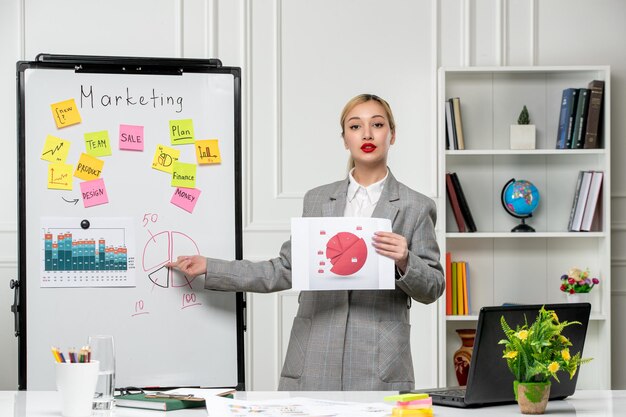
[{"x": 523, "y": 267}]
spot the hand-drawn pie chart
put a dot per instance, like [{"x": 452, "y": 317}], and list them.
[
  {"x": 347, "y": 253},
  {"x": 165, "y": 247}
]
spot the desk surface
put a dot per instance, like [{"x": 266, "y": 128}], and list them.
[{"x": 587, "y": 403}]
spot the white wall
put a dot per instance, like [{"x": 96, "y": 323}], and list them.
[{"x": 301, "y": 61}]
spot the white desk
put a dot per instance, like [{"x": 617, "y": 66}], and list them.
[{"x": 587, "y": 403}]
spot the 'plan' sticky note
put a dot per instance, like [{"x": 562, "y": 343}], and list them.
[
  {"x": 97, "y": 143},
  {"x": 184, "y": 175},
  {"x": 65, "y": 113},
  {"x": 94, "y": 193},
  {"x": 164, "y": 158},
  {"x": 208, "y": 152},
  {"x": 55, "y": 149},
  {"x": 181, "y": 132},
  {"x": 131, "y": 138},
  {"x": 88, "y": 167},
  {"x": 186, "y": 198},
  {"x": 60, "y": 176}
]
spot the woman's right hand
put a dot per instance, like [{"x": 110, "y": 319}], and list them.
[{"x": 189, "y": 265}]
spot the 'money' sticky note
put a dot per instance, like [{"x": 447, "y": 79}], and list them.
[
  {"x": 184, "y": 175},
  {"x": 97, "y": 143},
  {"x": 55, "y": 149},
  {"x": 186, "y": 198},
  {"x": 208, "y": 151},
  {"x": 164, "y": 158},
  {"x": 181, "y": 132},
  {"x": 60, "y": 176},
  {"x": 88, "y": 167},
  {"x": 65, "y": 113},
  {"x": 131, "y": 138},
  {"x": 94, "y": 192}
]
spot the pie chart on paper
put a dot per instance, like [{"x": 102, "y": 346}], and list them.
[{"x": 347, "y": 253}]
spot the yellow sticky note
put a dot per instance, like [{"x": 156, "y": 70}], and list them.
[
  {"x": 88, "y": 167},
  {"x": 164, "y": 158},
  {"x": 65, "y": 113},
  {"x": 208, "y": 151},
  {"x": 97, "y": 143},
  {"x": 184, "y": 175},
  {"x": 181, "y": 132},
  {"x": 60, "y": 176},
  {"x": 55, "y": 149}
]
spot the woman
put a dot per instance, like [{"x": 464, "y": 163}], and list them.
[{"x": 351, "y": 340}]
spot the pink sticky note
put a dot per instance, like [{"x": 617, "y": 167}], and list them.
[
  {"x": 131, "y": 138},
  {"x": 186, "y": 198},
  {"x": 94, "y": 192}
]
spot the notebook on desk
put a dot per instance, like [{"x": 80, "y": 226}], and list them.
[{"x": 489, "y": 381}]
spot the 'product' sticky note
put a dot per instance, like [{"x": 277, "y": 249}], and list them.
[
  {"x": 88, "y": 167},
  {"x": 184, "y": 175},
  {"x": 97, "y": 143},
  {"x": 186, "y": 198},
  {"x": 65, "y": 113},
  {"x": 208, "y": 151},
  {"x": 164, "y": 158},
  {"x": 94, "y": 192},
  {"x": 181, "y": 132},
  {"x": 60, "y": 176},
  {"x": 131, "y": 138},
  {"x": 55, "y": 149}
]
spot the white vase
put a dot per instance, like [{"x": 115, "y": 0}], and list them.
[{"x": 578, "y": 297}]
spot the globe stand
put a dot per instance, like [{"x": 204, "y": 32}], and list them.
[{"x": 523, "y": 227}]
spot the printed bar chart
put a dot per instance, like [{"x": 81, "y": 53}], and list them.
[{"x": 66, "y": 254}]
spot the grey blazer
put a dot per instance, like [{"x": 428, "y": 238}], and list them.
[{"x": 350, "y": 340}]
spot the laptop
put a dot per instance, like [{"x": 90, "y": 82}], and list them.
[{"x": 490, "y": 382}]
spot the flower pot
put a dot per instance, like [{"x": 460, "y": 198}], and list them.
[
  {"x": 578, "y": 297},
  {"x": 522, "y": 136},
  {"x": 463, "y": 356},
  {"x": 532, "y": 397}
]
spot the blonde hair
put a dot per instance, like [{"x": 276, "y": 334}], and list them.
[{"x": 360, "y": 99}]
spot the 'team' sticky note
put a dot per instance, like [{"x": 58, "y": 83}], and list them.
[
  {"x": 97, "y": 143},
  {"x": 60, "y": 176},
  {"x": 94, "y": 192},
  {"x": 186, "y": 198},
  {"x": 181, "y": 132},
  {"x": 55, "y": 149},
  {"x": 131, "y": 138},
  {"x": 164, "y": 158},
  {"x": 208, "y": 151},
  {"x": 184, "y": 175},
  {"x": 88, "y": 167},
  {"x": 65, "y": 113}
]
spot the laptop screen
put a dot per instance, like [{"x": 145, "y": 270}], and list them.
[{"x": 490, "y": 380}]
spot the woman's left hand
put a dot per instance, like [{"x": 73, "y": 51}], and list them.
[{"x": 393, "y": 246}]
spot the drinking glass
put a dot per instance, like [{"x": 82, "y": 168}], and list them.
[{"x": 102, "y": 349}]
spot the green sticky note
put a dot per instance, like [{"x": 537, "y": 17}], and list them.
[
  {"x": 184, "y": 175},
  {"x": 97, "y": 143},
  {"x": 181, "y": 132}
]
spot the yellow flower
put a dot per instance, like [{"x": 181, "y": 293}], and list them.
[
  {"x": 555, "y": 317},
  {"x": 522, "y": 334},
  {"x": 553, "y": 367},
  {"x": 510, "y": 355},
  {"x": 563, "y": 339},
  {"x": 565, "y": 354}
]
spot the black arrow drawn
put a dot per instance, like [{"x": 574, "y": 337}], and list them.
[{"x": 70, "y": 201}]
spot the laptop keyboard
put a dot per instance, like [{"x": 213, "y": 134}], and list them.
[{"x": 452, "y": 392}]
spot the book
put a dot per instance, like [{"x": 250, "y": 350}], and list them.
[
  {"x": 469, "y": 292},
  {"x": 451, "y": 134},
  {"x": 448, "y": 283},
  {"x": 592, "y": 200},
  {"x": 458, "y": 125},
  {"x": 594, "y": 115},
  {"x": 465, "y": 210},
  {"x": 580, "y": 121},
  {"x": 454, "y": 203},
  {"x": 464, "y": 281},
  {"x": 159, "y": 401},
  {"x": 454, "y": 289},
  {"x": 459, "y": 288},
  {"x": 582, "y": 201},
  {"x": 566, "y": 118},
  {"x": 575, "y": 200}
]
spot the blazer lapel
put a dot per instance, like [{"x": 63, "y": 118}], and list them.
[
  {"x": 336, "y": 205},
  {"x": 385, "y": 209}
]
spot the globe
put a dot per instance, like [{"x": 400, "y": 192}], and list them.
[{"x": 520, "y": 199}]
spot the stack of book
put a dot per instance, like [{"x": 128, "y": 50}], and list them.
[
  {"x": 457, "y": 287},
  {"x": 462, "y": 214},
  {"x": 580, "y": 117},
  {"x": 454, "y": 125},
  {"x": 587, "y": 204}
]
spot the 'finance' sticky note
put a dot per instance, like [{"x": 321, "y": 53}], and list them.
[
  {"x": 181, "y": 132},
  {"x": 164, "y": 158},
  {"x": 131, "y": 138},
  {"x": 94, "y": 193},
  {"x": 88, "y": 167},
  {"x": 60, "y": 176},
  {"x": 55, "y": 149},
  {"x": 186, "y": 198},
  {"x": 65, "y": 113},
  {"x": 97, "y": 143},
  {"x": 208, "y": 151},
  {"x": 184, "y": 175}
]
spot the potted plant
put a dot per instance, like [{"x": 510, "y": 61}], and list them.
[
  {"x": 535, "y": 354},
  {"x": 577, "y": 285},
  {"x": 522, "y": 135}
]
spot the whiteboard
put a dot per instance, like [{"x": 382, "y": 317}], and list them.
[{"x": 168, "y": 330}]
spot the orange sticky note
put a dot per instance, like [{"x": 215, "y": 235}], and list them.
[
  {"x": 208, "y": 152},
  {"x": 60, "y": 176},
  {"x": 65, "y": 113},
  {"x": 88, "y": 167}
]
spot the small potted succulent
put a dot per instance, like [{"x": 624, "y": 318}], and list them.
[{"x": 522, "y": 135}]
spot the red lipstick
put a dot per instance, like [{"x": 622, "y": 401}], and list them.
[{"x": 368, "y": 147}]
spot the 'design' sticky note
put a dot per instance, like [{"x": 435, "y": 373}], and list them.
[
  {"x": 88, "y": 167},
  {"x": 131, "y": 138},
  {"x": 184, "y": 175},
  {"x": 164, "y": 158},
  {"x": 55, "y": 149},
  {"x": 208, "y": 151},
  {"x": 65, "y": 113},
  {"x": 94, "y": 192},
  {"x": 60, "y": 176},
  {"x": 186, "y": 198},
  {"x": 97, "y": 143},
  {"x": 181, "y": 132}
]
